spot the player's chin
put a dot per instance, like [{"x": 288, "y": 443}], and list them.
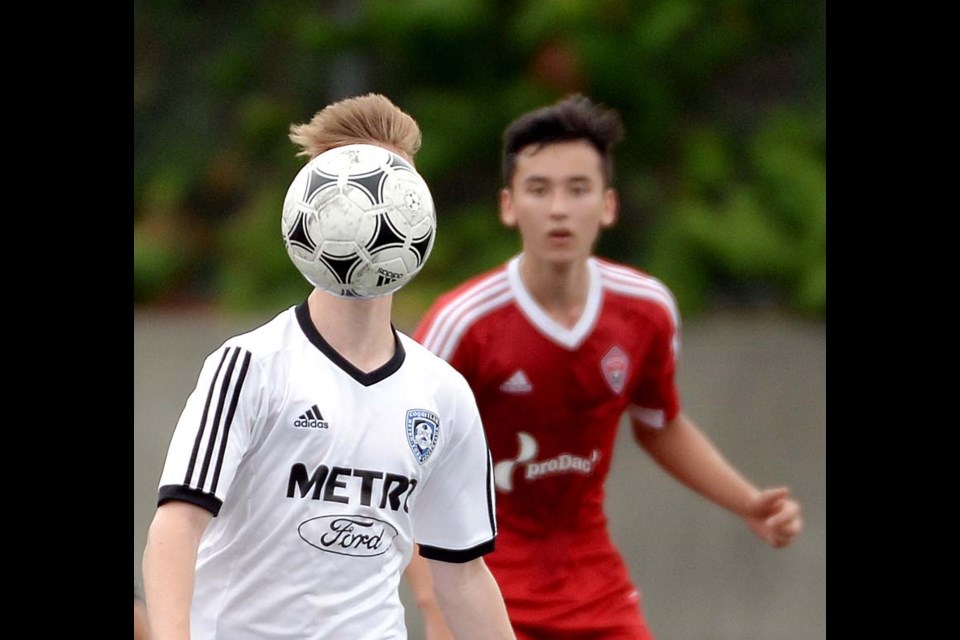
[{"x": 566, "y": 251}]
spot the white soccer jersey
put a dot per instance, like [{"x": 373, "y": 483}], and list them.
[{"x": 321, "y": 477}]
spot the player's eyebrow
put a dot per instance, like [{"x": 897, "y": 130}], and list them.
[{"x": 538, "y": 180}]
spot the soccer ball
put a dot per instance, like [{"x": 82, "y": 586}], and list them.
[{"x": 358, "y": 221}]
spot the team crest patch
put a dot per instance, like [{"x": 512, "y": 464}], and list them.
[
  {"x": 423, "y": 428},
  {"x": 615, "y": 366}
]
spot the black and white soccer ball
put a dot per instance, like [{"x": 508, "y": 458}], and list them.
[{"x": 358, "y": 221}]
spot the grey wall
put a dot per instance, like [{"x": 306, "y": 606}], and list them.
[{"x": 756, "y": 385}]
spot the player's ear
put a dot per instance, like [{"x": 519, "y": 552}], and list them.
[
  {"x": 611, "y": 208},
  {"x": 507, "y": 216}
]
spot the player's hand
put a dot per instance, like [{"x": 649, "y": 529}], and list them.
[{"x": 775, "y": 517}]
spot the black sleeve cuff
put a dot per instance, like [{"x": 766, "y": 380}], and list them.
[
  {"x": 457, "y": 555},
  {"x": 203, "y": 500}
]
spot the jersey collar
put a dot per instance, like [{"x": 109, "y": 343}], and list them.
[
  {"x": 364, "y": 378},
  {"x": 569, "y": 338}
]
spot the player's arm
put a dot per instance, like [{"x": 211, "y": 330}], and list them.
[
  {"x": 169, "y": 561},
  {"x": 141, "y": 630},
  {"x": 470, "y": 600},
  {"x": 420, "y": 582},
  {"x": 686, "y": 453}
]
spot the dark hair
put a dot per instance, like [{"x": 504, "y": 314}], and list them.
[{"x": 572, "y": 118}]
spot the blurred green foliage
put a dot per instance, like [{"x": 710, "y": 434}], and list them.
[{"x": 722, "y": 176}]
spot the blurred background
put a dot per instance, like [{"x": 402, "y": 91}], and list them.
[
  {"x": 722, "y": 174},
  {"x": 722, "y": 178}
]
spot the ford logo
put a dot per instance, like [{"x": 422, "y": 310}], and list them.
[{"x": 360, "y": 536}]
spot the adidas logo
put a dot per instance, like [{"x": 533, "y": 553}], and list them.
[
  {"x": 386, "y": 277},
  {"x": 517, "y": 383},
  {"x": 312, "y": 419}
]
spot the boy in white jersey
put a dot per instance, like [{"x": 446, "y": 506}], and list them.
[
  {"x": 314, "y": 452},
  {"x": 557, "y": 345}
]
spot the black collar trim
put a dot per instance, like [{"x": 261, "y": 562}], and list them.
[{"x": 364, "y": 378}]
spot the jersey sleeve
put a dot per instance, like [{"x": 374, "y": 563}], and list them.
[
  {"x": 654, "y": 399},
  {"x": 213, "y": 431},
  {"x": 454, "y": 516},
  {"x": 426, "y": 323},
  {"x": 456, "y": 347}
]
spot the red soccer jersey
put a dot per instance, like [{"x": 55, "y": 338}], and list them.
[{"x": 551, "y": 400}]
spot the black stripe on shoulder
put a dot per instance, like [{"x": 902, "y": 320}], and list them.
[
  {"x": 203, "y": 420},
  {"x": 457, "y": 555},
  {"x": 234, "y": 401},
  {"x": 228, "y": 378},
  {"x": 202, "y": 499}
]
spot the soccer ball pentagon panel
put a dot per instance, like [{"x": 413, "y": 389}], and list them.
[{"x": 358, "y": 221}]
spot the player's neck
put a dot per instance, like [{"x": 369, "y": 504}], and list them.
[
  {"x": 559, "y": 289},
  {"x": 359, "y": 330}
]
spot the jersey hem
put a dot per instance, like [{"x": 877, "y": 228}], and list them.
[
  {"x": 194, "y": 496},
  {"x": 457, "y": 555}
]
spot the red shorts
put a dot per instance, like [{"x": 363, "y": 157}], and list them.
[
  {"x": 635, "y": 632},
  {"x": 570, "y": 586}
]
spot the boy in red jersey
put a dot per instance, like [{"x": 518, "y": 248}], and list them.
[{"x": 558, "y": 344}]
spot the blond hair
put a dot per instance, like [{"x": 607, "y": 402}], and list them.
[{"x": 368, "y": 119}]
